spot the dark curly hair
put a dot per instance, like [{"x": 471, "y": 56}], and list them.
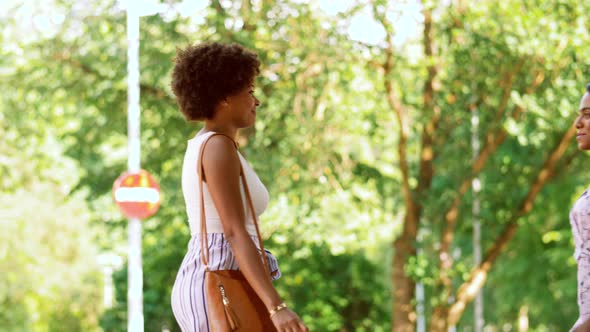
[{"x": 206, "y": 73}]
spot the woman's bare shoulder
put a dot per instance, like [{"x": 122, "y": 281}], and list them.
[{"x": 220, "y": 155}]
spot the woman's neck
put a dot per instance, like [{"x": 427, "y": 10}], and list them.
[{"x": 221, "y": 129}]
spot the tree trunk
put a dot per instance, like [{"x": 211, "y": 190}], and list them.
[
  {"x": 438, "y": 320},
  {"x": 404, "y": 316}
]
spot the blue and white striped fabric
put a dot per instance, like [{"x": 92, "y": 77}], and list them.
[{"x": 188, "y": 294}]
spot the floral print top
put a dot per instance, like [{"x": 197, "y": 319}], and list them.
[{"x": 580, "y": 222}]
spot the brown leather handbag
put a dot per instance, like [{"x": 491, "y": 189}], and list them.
[{"x": 232, "y": 304}]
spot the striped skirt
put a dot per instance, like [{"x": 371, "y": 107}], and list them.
[{"x": 188, "y": 294}]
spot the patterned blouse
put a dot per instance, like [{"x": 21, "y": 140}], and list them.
[{"x": 580, "y": 222}]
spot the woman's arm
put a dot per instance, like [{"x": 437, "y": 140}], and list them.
[
  {"x": 584, "y": 327},
  {"x": 222, "y": 173}
]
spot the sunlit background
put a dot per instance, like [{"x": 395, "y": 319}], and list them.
[{"x": 417, "y": 153}]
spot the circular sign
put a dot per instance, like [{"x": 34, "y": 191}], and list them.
[{"x": 137, "y": 194}]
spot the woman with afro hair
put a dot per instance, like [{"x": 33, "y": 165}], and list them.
[{"x": 214, "y": 83}]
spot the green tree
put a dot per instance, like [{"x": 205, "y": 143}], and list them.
[
  {"x": 511, "y": 81},
  {"x": 49, "y": 274},
  {"x": 360, "y": 145}
]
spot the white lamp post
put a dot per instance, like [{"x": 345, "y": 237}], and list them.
[{"x": 135, "y": 9}]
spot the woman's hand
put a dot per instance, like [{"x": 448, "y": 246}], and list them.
[{"x": 288, "y": 321}]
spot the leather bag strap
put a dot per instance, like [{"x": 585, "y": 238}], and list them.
[{"x": 204, "y": 240}]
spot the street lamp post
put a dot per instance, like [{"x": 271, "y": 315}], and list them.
[
  {"x": 476, "y": 211},
  {"x": 134, "y": 268},
  {"x": 135, "y": 9}
]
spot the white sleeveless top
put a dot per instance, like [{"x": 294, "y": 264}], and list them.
[{"x": 190, "y": 189}]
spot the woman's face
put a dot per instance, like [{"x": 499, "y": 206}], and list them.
[
  {"x": 582, "y": 123},
  {"x": 243, "y": 106}
]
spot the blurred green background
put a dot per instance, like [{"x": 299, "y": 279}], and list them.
[{"x": 364, "y": 140}]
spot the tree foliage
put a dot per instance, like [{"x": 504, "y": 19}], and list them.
[{"x": 360, "y": 143}]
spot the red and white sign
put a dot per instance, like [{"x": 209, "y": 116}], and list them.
[{"x": 137, "y": 194}]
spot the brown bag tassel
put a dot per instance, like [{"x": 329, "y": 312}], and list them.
[{"x": 232, "y": 319}]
